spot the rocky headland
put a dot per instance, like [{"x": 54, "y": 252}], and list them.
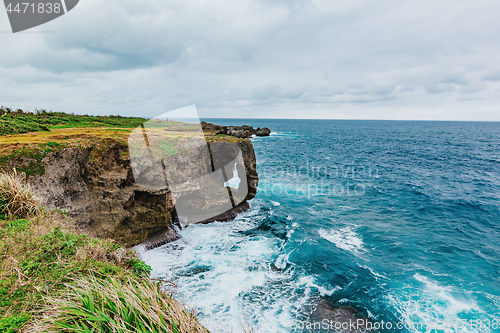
[
  {"x": 96, "y": 185},
  {"x": 71, "y": 199},
  {"x": 244, "y": 131}
]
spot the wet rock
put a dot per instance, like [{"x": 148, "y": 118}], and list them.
[
  {"x": 330, "y": 317},
  {"x": 240, "y": 134},
  {"x": 243, "y": 131},
  {"x": 168, "y": 236},
  {"x": 263, "y": 131},
  {"x": 221, "y": 130}
]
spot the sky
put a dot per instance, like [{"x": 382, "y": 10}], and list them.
[{"x": 387, "y": 59}]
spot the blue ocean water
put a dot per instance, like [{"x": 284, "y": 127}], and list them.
[{"x": 398, "y": 220}]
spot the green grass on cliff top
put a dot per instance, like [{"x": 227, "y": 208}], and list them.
[
  {"x": 18, "y": 121},
  {"x": 33, "y": 135},
  {"x": 41, "y": 126}
]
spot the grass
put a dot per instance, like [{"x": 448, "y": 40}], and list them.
[
  {"x": 18, "y": 121},
  {"x": 34, "y": 147},
  {"x": 65, "y": 135},
  {"x": 29, "y": 137},
  {"x": 53, "y": 278},
  {"x": 26, "y": 138},
  {"x": 168, "y": 146},
  {"x": 119, "y": 306},
  {"x": 17, "y": 199}
]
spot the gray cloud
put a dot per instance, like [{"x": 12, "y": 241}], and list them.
[{"x": 257, "y": 58}]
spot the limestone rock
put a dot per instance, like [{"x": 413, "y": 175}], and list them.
[{"x": 104, "y": 200}]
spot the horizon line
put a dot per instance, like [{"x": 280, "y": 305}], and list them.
[{"x": 352, "y": 119}]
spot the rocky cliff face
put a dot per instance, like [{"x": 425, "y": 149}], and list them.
[{"x": 103, "y": 198}]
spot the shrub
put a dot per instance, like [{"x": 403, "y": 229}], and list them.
[
  {"x": 17, "y": 198},
  {"x": 140, "y": 268},
  {"x": 11, "y": 324}
]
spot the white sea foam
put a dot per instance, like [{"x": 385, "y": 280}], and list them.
[
  {"x": 282, "y": 260},
  {"x": 344, "y": 239},
  {"x": 432, "y": 304},
  {"x": 310, "y": 282},
  {"x": 454, "y": 306},
  {"x": 234, "y": 182},
  {"x": 140, "y": 249},
  {"x": 373, "y": 272},
  {"x": 227, "y": 276}
]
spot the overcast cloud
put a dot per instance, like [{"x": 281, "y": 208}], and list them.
[{"x": 261, "y": 59}]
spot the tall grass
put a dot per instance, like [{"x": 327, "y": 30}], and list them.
[
  {"x": 55, "y": 279},
  {"x": 16, "y": 197},
  {"x": 118, "y": 306}
]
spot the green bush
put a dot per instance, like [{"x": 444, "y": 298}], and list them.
[
  {"x": 167, "y": 146},
  {"x": 140, "y": 267},
  {"x": 11, "y": 324}
]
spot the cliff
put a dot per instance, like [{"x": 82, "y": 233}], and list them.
[
  {"x": 96, "y": 185},
  {"x": 83, "y": 174}
]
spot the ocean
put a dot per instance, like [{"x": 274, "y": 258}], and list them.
[{"x": 397, "y": 220}]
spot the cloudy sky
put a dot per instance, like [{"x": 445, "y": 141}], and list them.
[{"x": 352, "y": 59}]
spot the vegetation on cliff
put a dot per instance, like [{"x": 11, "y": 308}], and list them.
[
  {"x": 55, "y": 279},
  {"x": 19, "y": 121},
  {"x": 28, "y": 137}
]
